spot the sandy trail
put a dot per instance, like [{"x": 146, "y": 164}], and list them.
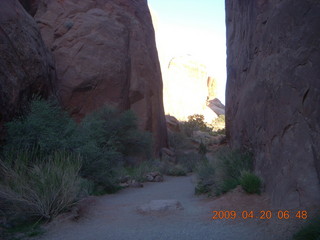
[{"x": 114, "y": 217}]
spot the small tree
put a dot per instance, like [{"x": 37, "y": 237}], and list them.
[{"x": 195, "y": 123}]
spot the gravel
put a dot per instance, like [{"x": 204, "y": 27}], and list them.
[{"x": 115, "y": 217}]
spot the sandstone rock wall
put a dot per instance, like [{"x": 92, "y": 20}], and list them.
[
  {"x": 26, "y": 66},
  {"x": 273, "y": 93},
  {"x": 105, "y": 53}
]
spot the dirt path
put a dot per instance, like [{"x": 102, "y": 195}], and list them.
[{"x": 114, "y": 217}]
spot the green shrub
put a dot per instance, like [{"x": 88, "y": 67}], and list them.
[
  {"x": 46, "y": 127},
  {"x": 224, "y": 174},
  {"x": 139, "y": 172},
  {"x": 311, "y": 231},
  {"x": 117, "y": 131},
  {"x": 195, "y": 123},
  {"x": 219, "y": 121},
  {"x": 225, "y": 185},
  {"x": 110, "y": 136},
  {"x": 41, "y": 187},
  {"x": 218, "y": 132},
  {"x": 178, "y": 140},
  {"x": 176, "y": 170},
  {"x": 22, "y": 229},
  {"x": 103, "y": 170},
  {"x": 102, "y": 139},
  {"x": 233, "y": 163},
  {"x": 202, "y": 149},
  {"x": 250, "y": 182},
  {"x": 188, "y": 161},
  {"x": 206, "y": 177},
  {"x": 202, "y": 189},
  {"x": 218, "y": 126},
  {"x": 230, "y": 165}
]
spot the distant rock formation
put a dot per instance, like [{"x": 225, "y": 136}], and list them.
[
  {"x": 26, "y": 66},
  {"x": 185, "y": 88},
  {"x": 105, "y": 54},
  {"x": 212, "y": 88},
  {"x": 216, "y": 106},
  {"x": 273, "y": 94}
]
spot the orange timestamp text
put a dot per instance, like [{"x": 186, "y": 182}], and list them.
[{"x": 280, "y": 214}]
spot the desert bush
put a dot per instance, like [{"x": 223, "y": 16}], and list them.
[
  {"x": 189, "y": 160},
  {"x": 202, "y": 150},
  {"x": 219, "y": 122},
  {"x": 103, "y": 169},
  {"x": 117, "y": 131},
  {"x": 311, "y": 231},
  {"x": 206, "y": 177},
  {"x": 233, "y": 162},
  {"x": 140, "y": 171},
  {"x": 41, "y": 187},
  {"x": 178, "y": 140},
  {"x": 225, "y": 172},
  {"x": 176, "y": 170},
  {"x": 110, "y": 136},
  {"x": 102, "y": 139},
  {"x": 46, "y": 127},
  {"x": 230, "y": 165},
  {"x": 250, "y": 182},
  {"x": 195, "y": 123}
]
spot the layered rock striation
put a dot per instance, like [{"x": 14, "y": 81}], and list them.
[{"x": 273, "y": 93}]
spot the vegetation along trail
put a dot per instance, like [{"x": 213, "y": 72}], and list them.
[{"x": 116, "y": 217}]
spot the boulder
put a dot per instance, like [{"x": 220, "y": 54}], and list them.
[
  {"x": 154, "y": 177},
  {"x": 273, "y": 94},
  {"x": 173, "y": 124},
  {"x": 158, "y": 178},
  {"x": 105, "y": 53},
  {"x": 26, "y": 66},
  {"x": 216, "y": 106},
  {"x": 168, "y": 155},
  {"x": 135, "y": 184},
  {"x": 160, "y": 206}
]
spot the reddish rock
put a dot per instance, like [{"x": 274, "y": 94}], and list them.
[
  {"x": 273, "y": 94},
  {"x": 26, "y": 66},
  {"x": 105, "y": 53}
]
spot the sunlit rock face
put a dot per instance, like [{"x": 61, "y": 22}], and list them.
[
  {"x": 185, "y": 88},
  {"x": 212, "y": 88},
  {"x": 216, "y": 106},
  {"x": 273, "y": 94}
]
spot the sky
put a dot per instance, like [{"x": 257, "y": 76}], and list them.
[{"x": 193, "y": 27}]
